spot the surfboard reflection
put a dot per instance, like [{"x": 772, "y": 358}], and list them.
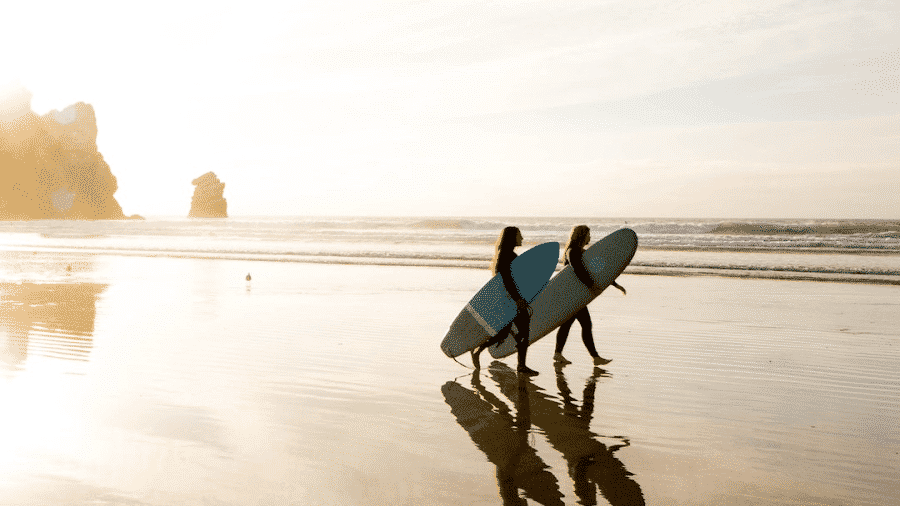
[{"x": 504, "y": 439}]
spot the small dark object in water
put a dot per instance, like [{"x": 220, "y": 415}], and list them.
[{"x": 248, "y": 276}]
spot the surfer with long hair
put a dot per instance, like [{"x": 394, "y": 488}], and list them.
[
  {"x": 572, "y": 254},
  {"x": 509, "y": 238}
]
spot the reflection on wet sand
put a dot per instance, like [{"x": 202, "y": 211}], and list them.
[
  {"x": 48, "y": 319},
  {"x": 504, "y": 439},
  {"x": 567, "y": 428}
]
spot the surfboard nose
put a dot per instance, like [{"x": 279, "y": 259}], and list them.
[{"x": 627, "y": 241}]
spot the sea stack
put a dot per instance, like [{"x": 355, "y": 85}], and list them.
[
  {"x": 208, "y": 201},
  {"x": 50, "y": 165}
]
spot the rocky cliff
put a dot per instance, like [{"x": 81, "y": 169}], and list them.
[
  {"x": 208, "y": 201},
  {"x": 49, "y": 165}
]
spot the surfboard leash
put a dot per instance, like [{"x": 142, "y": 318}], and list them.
[{"x": 460, "y": 363}]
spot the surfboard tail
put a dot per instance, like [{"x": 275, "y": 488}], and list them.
[{"x": 466, "y": 333}]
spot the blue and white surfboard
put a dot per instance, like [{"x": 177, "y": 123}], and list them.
[{"x": 492, "y": 308}]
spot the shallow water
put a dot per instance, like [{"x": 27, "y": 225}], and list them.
[
  {"x": 133, "y": 380},
  {"x": 844, "y": 250}
]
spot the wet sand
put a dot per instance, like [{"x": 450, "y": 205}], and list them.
[{"x": 152, "y": 381}]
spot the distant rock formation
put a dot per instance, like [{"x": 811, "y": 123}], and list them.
[
  {"x": 49, "y": 165},
  {"x": 208, "y": 201}
]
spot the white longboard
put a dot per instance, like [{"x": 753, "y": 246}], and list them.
[
  {"x": 565, "y": 294},
  {"x": 492, "y": 308}
]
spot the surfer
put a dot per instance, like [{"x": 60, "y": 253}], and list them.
[
  {"x": 509, "y": 238},
  {"x": 578, "y": 239}
]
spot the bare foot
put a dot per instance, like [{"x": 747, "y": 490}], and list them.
[
  {"x": 557, "y": 357},
  {"x": 601, "y": 361},
  {"x": 524, "y": 369}
]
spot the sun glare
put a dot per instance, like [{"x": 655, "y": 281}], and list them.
[{"x": 41, "y": 418}]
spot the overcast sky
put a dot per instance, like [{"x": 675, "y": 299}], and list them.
[{"x": 608, "y": 108}]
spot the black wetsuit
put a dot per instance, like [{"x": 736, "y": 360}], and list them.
[
  {"x": 522, "y": 319},
  {"x": 584, "y": 318}
]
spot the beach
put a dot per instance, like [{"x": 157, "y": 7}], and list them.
[
  {"x": 158, "y": 380},
  {"x": 237, "y": 246}
]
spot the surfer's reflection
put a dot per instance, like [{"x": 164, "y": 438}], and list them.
[
  {"x": 567, "y": 429},
  {"x": 504, "y": 440},
  {"x": 58, "y": 317}
]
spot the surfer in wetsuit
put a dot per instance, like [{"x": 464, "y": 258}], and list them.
[
  {"x": 578, "y": 239},
  {"x": 509, "y": 238}
]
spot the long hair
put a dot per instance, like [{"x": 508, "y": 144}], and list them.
[
  {"x": 578, "y": 238},
  {"x": 504, "y": 246}
]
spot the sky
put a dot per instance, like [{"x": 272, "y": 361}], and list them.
[{"x": 611, "y": 108}]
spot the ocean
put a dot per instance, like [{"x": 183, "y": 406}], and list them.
[{"x": 859, "y": 251}]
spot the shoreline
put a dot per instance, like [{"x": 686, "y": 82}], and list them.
[{"x": 635, "y": 268}]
